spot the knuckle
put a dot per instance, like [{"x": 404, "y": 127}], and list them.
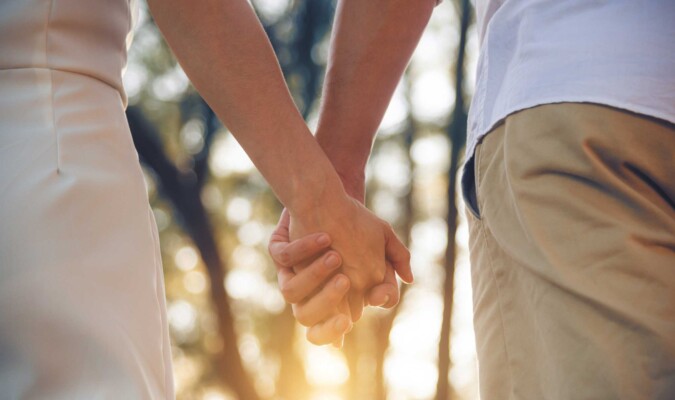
[
  {"x": 393, "y": 300},
  {"x": 316, "y": 274},
  {"x": 377, "y": 275},
  {"x": 303, "y": 317},
  {"x": 274, "y": 243},
  {"x": 284, "y": 258},
  {"x": 315, "y": 338},
  {"x": 302, "y": 247},
  {"x": 279, "y": 254},
  {"x": 290, "y": 293},
  {"x": 297, "y": 313},
  {"x": 358, "y": 284},
  {"x": 334, "y": 296}
]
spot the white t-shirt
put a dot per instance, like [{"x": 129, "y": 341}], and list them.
[{"x": 620, "y": 53}]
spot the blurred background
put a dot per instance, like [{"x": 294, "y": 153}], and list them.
[{"x": 233, "y": 336}]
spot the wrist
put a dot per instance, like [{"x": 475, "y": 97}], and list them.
[
  {"x": 354, "y": 183},
  {"x": 349, "y": 160},
  {"x": 316, "y": 189}
]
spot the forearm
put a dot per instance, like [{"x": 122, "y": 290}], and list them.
[
  {"x": 371, "y": 46},
  {"x": 227, "y": 56}
]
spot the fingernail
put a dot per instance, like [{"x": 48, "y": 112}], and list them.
[
  {"x": 323, "y": 240},
  {"x": 341, "y": 324},
  {"x": 339, "y": 342},
  {"x": 341, "y": 283},
  {"x": 331, "y": 261},
  {"x": 386, "y": 301}
]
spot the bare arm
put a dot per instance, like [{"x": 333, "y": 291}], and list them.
[
  {"x": 371, "y": 46},
  {"x": 225, "y": 52}
]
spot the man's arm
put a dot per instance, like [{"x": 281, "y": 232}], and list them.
[
  {"x": 370, "y": 48},
  {"x": 371, "y": 45}
]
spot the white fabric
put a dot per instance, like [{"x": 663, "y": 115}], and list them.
[
  {"x": 82, "y": 309},
  {"x": 620, "y": 53}
]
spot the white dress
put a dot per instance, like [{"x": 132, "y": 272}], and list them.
[{"x": 82, "y": 308}]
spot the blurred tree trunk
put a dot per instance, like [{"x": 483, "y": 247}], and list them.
[
  {"x": 385, "y": 323},
  {"x": 183, "y": 192},
  {"x": 352, "y": 352},
  {"x": 292, "y": 383},
  {"x": 457, "y": 134}
]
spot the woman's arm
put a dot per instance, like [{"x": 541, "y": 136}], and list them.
[{"x": 223, "y": 49}]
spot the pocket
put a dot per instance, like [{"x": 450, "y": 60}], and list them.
[{"x": 468, "y": 185}]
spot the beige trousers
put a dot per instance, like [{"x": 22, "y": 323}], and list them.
[{"x": 573, "y": 255}]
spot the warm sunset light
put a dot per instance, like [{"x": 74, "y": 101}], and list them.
[
  {"x": 222, "y": 199},
  {"x": 243, "y": 225}
]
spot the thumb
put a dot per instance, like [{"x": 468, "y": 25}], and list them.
[
  {"x": 386, "y": 294},
  {"x": 398, "y": 255},
  {"x": 281, "y": 232},
  {"x": 279, "y": 241}
]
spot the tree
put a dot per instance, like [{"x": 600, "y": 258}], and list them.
[
  {"x": 457, "y": 133},
  {"x": 183, "y": 191}
]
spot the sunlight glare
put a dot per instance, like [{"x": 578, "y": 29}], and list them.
[
  {"x": 249, "y": 348},
  {"x": 431, "y": 154},
  {"x": 186, "y": 258},
  {"x": 272, "y": 10},
  {"x": 432, "y": 96},
  {"x": 386, "y": 206},
  {"x": 430, "y": 236},
  {"x": 192, "y": 136},
  {"x": 251, "y": 233},
  {"x": 228, "y": 157},
  {"x": 171, "y": 85},
  {"x": 195, "y": 282},
  {"x": 162, "y": 218},
  {"x": 410, "y": 367},
  {"x": 216, "y": 394},
  {"x": 186, "y": 371},
  {"x": 411, "y": 376},
  {"x": 390, "y": 168},
  {"x": 243, "y": 284},
  {"x": 273, "y": 301},
  {"x": 238, "y": 210},
  {"x": 326, "y": 366},
  {"x": 396, "y": 113},
  {"x": 246, "y": 257},
  {"x": 326, "y": 396},
  {"x": 182, "y": 318},
  {"x": 212, "y": 198}
]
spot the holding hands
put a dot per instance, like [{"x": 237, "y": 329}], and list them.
[
  {"x": 329, "y": 279},
  {"x": 224, "y": 51}
]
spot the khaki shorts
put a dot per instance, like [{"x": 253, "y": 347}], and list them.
[{"x": 572, "y": 221}]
